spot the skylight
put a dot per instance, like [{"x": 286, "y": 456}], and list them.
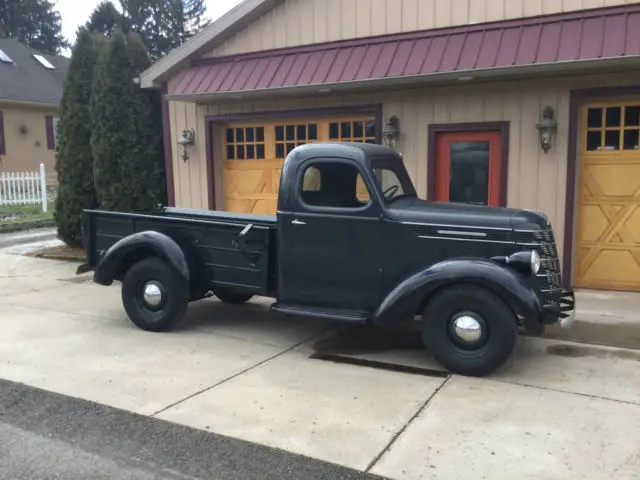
[
  {"x": 44, "y": 62},
  {"x": 5, "y": 58}
]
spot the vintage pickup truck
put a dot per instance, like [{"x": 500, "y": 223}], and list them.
[{"x": 352, "y": 242}]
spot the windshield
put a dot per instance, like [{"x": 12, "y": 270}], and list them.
[{"x": 393, "y": 179}]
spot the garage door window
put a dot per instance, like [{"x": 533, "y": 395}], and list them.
[
  {"x": 613, "y": 128},
  {"x": 245, "y": 143},
  {"x": 363, "y": 131},
  {"x": 288, "y": 137}
]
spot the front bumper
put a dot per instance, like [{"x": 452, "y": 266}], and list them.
[{"x": 564, "y": 313}]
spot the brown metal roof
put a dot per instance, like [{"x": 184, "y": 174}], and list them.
[{"x": 605, "y": 33}]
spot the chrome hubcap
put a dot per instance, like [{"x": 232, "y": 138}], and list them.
[
  {"x": 152, "y": 294},
  {"x": 467, "y": 329}
]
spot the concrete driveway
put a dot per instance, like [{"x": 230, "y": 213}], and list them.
[{"x": 558, "y": 410}]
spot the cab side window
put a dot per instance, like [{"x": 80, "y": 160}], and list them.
[{"x": 333, "y": 184}]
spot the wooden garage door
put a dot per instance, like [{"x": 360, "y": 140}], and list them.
[
  {"x": 608, "y": 236},
  {"x": 254, "y": 155}
]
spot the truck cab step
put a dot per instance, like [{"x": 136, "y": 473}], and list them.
[{"x": 331, "y": 314}]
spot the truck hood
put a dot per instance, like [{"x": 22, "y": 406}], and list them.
[{"x": 417, "y": 210}]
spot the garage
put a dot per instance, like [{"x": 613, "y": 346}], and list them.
[
  {"x": 254, "y": 154},
  {"x": 608, "y": 235}
]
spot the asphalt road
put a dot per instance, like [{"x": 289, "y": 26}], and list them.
[{"x": 46, "y": 436}]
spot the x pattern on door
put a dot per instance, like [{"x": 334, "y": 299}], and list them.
[
  {"x": 254, "y": 155},
  {"x": 608, "y": 238}
]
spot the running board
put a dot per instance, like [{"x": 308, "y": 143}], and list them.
[{"x": 338, "y": 315}]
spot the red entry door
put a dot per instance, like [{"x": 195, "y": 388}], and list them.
[{"x": 468, "y": 167}]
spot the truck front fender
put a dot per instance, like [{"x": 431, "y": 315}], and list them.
[
  {"x": 405, "y": 301},
  {"x": 147, "y": 243}
]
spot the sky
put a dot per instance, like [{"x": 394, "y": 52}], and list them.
[{"x": 76, "y": 12}]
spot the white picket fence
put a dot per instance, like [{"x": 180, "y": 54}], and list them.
[{"x": 24, "y": 188}]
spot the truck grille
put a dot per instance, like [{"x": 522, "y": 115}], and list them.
[{"x": 549, "y": 278}]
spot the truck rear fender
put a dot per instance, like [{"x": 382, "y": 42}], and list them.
[
  {"x": 126, "y": 251},
  {"x": 408, "y": 299}
]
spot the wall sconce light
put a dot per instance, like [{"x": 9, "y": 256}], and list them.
[
  {"x": 391, "y": 132},
  {"x": 186, "y": 140},
  {"x": 547, "y": 127}
]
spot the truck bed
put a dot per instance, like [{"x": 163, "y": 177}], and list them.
[{"x": 211, "y": 236}]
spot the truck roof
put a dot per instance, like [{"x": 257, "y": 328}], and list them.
[{"x": 359, "y": 152}]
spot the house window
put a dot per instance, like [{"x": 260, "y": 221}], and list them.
[
  {"x": 5, "y": 58},
  {"x": 44, "y": 62}
]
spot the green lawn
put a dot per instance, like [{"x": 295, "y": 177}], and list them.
[{"x": 23, "y": 213}]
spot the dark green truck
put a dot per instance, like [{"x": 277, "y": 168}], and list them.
[{"x": 351, "y": 242}]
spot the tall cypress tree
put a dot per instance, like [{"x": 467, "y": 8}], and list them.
[
  {"x": 126, "y": 138},
  {"x": 74, "y": 163},
  {"x": 143, "y": 168},
  {"x": 112, "y": 123}
]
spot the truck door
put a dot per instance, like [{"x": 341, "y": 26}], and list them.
[{"x": 335, "y": 252}]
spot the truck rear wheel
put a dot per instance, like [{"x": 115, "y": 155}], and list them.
[
  {"x": 229, "y": 296},
  {"x": 470, "y": 330},
  {"x": 154, "y": 296}
]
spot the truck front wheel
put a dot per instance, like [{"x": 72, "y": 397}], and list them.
[
  {"x": 154, "y": 296},
  {"x": 469, "y": 330}
]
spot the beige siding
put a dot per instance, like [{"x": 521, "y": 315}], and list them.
[
  {"x": 26, "y": 151},
  {"x": 301, "y": 22},
  {"x": 536, "y": 180}
]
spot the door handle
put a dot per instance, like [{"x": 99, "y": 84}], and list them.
[{"x": 298, "y": 222}]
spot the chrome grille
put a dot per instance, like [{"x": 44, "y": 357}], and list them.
[{"x": 549, "y": 278}]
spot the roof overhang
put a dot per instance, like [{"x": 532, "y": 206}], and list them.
[
  {"x": 217, "y": 32},
  {"x": 27, "y": 103},
  {"x": 580, "y": 41},
  {"x": 448, "y": 79}
]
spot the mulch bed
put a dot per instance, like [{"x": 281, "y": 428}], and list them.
[{"x": 62, "y": 252}]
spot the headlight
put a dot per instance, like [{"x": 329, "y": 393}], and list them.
[{"x": 535, "y": 262}]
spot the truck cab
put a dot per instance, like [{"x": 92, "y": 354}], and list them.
[{"x": 351, "y": 241}]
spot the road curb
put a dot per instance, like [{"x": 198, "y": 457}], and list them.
[
  {"x": 623, "y": 333},
  {"x": 21, "y": 226},
  {"x": 61, "y": 258}
]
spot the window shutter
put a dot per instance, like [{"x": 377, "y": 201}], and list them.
[
  {"x": 2, "y": 147},
  {"x": 51, "y": 144}
]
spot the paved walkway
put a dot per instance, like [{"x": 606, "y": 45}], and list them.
[{"x": 558, "y": 410}]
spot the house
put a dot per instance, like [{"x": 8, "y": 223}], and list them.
[
  {"x": 30, "y": 90},
  {"x": 521, "y": 103}
]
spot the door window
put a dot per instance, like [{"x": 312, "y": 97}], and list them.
[
  {"x": 335, "y": 185},
  {"x": 468, "y": 168},
  {"x": 469, "y": 177}
]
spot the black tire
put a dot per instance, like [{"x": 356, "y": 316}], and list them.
[
  {"x": 229, "y": 296},
  {"x": 174, "y": 295},
  {"x": 497, "y": 340}
]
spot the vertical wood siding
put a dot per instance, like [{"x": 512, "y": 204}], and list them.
[
  {"x": 27, "y": 138},
  {"x": 301, "y": 22},
  {"x": 536, "y": 180}
]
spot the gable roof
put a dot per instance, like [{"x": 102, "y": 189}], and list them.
[
  {"x": 223, "y": 28},
  {"x": 26, "y": 79}
]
